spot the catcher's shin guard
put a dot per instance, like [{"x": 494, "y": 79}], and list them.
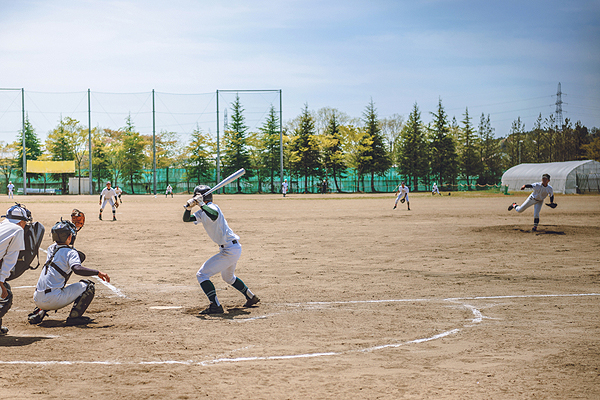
[
  {"x": 82, "y": 302},
  {"x": 6, "y": 304}
]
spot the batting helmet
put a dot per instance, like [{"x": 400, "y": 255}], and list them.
[
  {"x": 19, "y": 212},
  {"x": 201, "y": 189},
  {"x": 62, "y": 230}
]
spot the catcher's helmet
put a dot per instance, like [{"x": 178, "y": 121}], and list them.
[
  {"x": 201, "y": 189},
  {"x": 62, "y": 230},
  {"x": 19, "y": 212}
]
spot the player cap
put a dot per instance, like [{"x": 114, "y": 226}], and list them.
[{"x": 546, "y": 176}]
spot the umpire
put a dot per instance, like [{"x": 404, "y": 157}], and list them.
[{"x": 11, "y": 243}]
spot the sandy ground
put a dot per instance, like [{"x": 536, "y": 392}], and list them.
[{"x": 455, "y": 299}]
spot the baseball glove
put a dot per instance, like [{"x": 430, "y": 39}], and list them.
[
  {"x": 117, "y": 204},
  {"x": 551, "y": 205},
  {"x": 402, "y": 200},
  {"x": 78, "y": 218}
]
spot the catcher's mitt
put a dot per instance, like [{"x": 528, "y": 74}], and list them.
[
  {"x": 551, "y": 205},
  {"x": 78, "y": 218}
]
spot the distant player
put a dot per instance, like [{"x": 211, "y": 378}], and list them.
[
  {"x": 402, "y": 195},
  {"x": 52, "y": 291},
  {"x": 119, "y": 192},
  {"x": 536, "y": 199},
  {"x": 284, "y": 187},
  {"x": 435, "y": 189},
  {"x": 10, "y": 187},
  {"x": 169, "y": 191},
  {"x": 109, "y": 196},
  {"x": 230, "y": 250}
]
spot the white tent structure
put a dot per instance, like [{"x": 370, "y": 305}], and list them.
[{"x": 565, "y": 177}]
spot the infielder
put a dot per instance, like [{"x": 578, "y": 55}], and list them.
[
  {"x": 402, "y": 195},
  {"x": 118, "y": 191},
  {"x": 284, "y": 187},
  {"x": 536, "y": 199},
  {"x": 11, "y": 243},
  {"x": 169, "y": 191},
  {"x": 230, "y": 250},
  {"x": 108, "y": 194},
  {"x": 10, "y": 187},
  {"x": 52, "y": 292},
  {"x": 435, "y": 190}
]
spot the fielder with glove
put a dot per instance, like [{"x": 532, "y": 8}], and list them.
[
  {"x": 540, "y": 191},
  {"x": 230, "y": 250},
  {"x": 402, "y": 195},
  {"x": 109, "y": 196}
]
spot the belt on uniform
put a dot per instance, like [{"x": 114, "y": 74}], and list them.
[
  {"x": 46, "y": 291},
  {"x": 233, "y": 241}
]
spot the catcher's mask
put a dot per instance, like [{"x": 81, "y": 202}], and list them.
[
  {"x": 62, "y": 230},
  {"x": 18, "y": 212},
  {"x": 201, "y": 189}
]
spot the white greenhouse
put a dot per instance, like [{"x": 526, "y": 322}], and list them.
[{"x": 565, "y": 177}]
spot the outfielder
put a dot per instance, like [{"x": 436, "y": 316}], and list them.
[
  {"x": 10, "y": 187},
  {"x": 119, "y": 192},
  {"x": 51, "y": 292},
  {"x": 402, "y": 195},
  {"x": 169, "y": 191},
  {"x": 284, "y": 187},
  {"x": 11, "y": 243},
  {"x": 108, "y": 194},
  {"x": 230, "y": 250},
  {"x": 536, "y": 199},
  {"x": 435, "y": 190}
]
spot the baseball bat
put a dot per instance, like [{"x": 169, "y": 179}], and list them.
[{"x": 236, "y": 175}]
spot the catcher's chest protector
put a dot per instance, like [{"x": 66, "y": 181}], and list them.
[{"x": 33, "y": 236}]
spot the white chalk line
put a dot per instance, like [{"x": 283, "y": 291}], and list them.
[{"x": 477, "y": 314}]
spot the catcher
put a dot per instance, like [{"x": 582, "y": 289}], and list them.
[
  {"x": 402, "y": 195},
  {"x": 536, "y": 199},
  {"x": 52, "y": 292},
  {"x": 108, "y": 194}
]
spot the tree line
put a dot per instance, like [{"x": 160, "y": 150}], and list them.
[{"x": 324, "y": 144}]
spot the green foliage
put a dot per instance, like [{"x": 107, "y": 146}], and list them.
[
  {"x": 60, "y": 145},
  {"x": 470, "y": 161},
  {"x": 132, "y": 153},
  {"x": 333, "y": 154},
  {"x": 442, "y": 150},
  {"x": 199, "y": 164},
  {"x": 377, "y": 153},
  {"x": 33, "y": 149},
  {"x": 489, "y": 151},
  {"x": 268, "y": 145},
  {"x": 236, "y": 153},
  {"x": 355, "y": 144}
]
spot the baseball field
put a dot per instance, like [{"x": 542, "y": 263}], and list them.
[{"x": 455, "y": 299}]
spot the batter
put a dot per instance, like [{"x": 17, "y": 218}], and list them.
[
  {"x": 536, "y": 199},
  {"x": 230, "y": 250},
  {"x": 108, "y": 194}
]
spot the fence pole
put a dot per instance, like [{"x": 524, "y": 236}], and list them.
[
  {"x": 90, "y": 141},
  {"x": 153, "y": 144},
  {"x": 24, "y": 148}
]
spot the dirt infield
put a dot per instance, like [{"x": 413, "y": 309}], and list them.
[{"x": 455, "y": 299}]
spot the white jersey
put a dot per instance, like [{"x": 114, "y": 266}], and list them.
[
  {"x": 108, "y": 193},
  {"x": 169, "y": 189},
  {"x": 65, "y": 258},
  {"x": 434, "y": 188},
  {"x": 218, "y": 230},
  {"x": 10, "y": 187},
  {"x": 118, "y": 191},
  {"x": 540, "y": 191},
  {"x": 284, "y": 187},
  {"x": 11, "y": 243},
  {"x": 403, "y": 191}
]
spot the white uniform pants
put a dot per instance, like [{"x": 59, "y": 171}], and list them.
[
  {"x": 59, "y": 298},
  {"x": 224, "y": 262},
  {"x": 400, "y": 195},
  {"x": 112, "y": 204},
  {"x": 531, "y": 201}
]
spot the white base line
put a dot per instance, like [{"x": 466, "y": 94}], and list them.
[
  {"x": 111, "y": 287},
  {"x": 478, "y": 317}
]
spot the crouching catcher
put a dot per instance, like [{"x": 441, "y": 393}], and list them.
[{"x": 52, "y": 292}]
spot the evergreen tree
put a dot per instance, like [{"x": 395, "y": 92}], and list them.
[
  {"x": 333, "y": 155},
  {"x": 489, "y": 150},
  {"x": 132, "y": 153},
  {"x": 380, "y": 161},
  {"x": 443, "y": 157},
  {"x": 33, "y": 149},
  {"x": 470, "y": 163},
  {"x": 100, "y": 159},
  {"x": 269, "y": 143},
  {"x": 236, "y": 153},
  {"x": 412, "y": 152},
  {"x": 304, "y": 149}
]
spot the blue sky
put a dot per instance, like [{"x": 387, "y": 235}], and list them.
[{"x": 499, "y": 58}]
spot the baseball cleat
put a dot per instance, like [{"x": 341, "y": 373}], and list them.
[
  {"x": 513, "y": 205},
  {"x": 213, "y": 309},
  {"x": 114, "y": 218},
  {"x": 534, "y": 229},
  {"x": 100, "y": 217},
  {"x": 73, "y": 321},
  {"x": 394, "y": 207},
  {"x": 37, "y": 316},
  {"x": 3, "y": 330},
  {"x": 252, "y": 301}
]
